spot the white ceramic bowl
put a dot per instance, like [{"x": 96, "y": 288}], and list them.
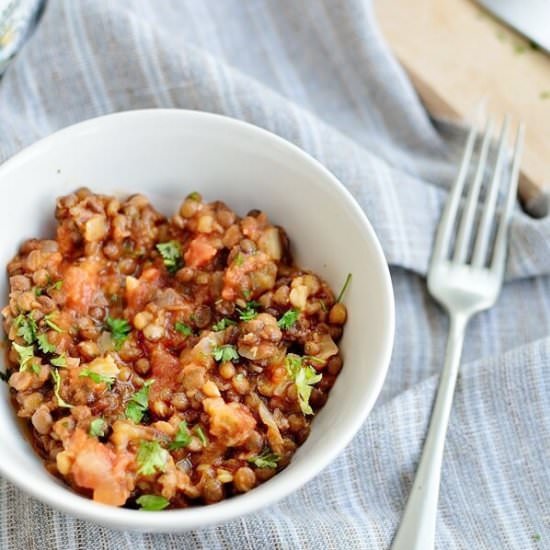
[{"x": 165, "y": 154}]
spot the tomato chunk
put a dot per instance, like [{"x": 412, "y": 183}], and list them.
[
  {"x": 164, "y": 369},
  {"x": 80, "y": 286},
  {"x": 200, "y": 252},
  {"x": 231, "y": 423},
  {"x": 98, "y": 468}
]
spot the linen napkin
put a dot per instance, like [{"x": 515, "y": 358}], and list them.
[{"x": 319, "y": 74}]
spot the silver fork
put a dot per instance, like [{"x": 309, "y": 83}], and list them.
[{"x": 464, "y": 284}]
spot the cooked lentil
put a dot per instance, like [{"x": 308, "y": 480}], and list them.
[{"x": 167, "y": 361}]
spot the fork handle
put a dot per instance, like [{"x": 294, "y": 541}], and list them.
[{"x": 417, "y": 528}]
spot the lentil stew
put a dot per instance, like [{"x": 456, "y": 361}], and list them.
[{"x": 167, "y": 362}]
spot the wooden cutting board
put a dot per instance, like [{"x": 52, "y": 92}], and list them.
[{"x": 456, "y": 53}]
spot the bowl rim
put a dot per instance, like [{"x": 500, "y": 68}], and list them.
[{"x": 64, "y": 499}]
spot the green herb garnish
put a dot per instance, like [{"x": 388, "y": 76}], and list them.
[
  {"x": 151, "y": 458},
  {"x": 97, "y": 377},
  {"x": 26, "y": 354},
  {"x": 288, "y": 319},
  {"x": 51, "y": 324},
  {"x": 222, "y": 324},
  {"x": 184, "y": 329},
  {"x": 239, "y": 259},
  {"x": 98, "y": 427},
  {"x": 344, "y": 288},
  {"x": 266, "y": 459},
  {"x": 182, "y": 437},
  {"x": 57, "y": 387},
  {"x": 57, "y": 285},
  {"x": 225, "y": 353},
  {"x": 249, "y": 312},
  {"x": 194, "y": 196},
  {"x": 44, "y": 344},
  {"x": 152, "y": 503},
  {"x": 26, "y": 328},
  {"x": 305, "y": 377},
  {"x": 171, "y": 255},
  {"x": 201, "y": 435},
  {"x": 119, "y": 329},
  {"x": 138, "y": 403},
  {"x": 59, "y": 361},
  {"x": 38, "y": 291}
]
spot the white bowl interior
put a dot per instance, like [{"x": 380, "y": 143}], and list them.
[{"x": 165, "y": 155}]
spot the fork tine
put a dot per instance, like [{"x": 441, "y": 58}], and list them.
[
  {"x": 466, "y": 224},
  {"x": 501, "y": 239},
  {"x": 443, "y": 237},
  {"x": 484, "y": 231}
]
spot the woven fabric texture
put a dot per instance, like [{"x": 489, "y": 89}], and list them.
[{"x": 319, "y": 74}]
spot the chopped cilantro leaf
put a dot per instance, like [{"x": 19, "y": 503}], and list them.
[
  {"x": 239, "y": 259},
  {"x": 98, "y": 427},
  {"x": 97, "y": 377},
  {"x": 38, "y": 291},
  {"x": 344, "y": 288},
  {"x": 194, "y": 196},
  {"x": 119, "y": 329},
  {"x": 305, "y": 380},
  {"x": 266, "y": 459},
  {"x": 59, "y": 361},
  {"x": 201, "y": 435},
  {"x": 152, "y": 503},
  {"x": 222, "y": 324},
  {"x": 151, "y": 458},
  {"x": 184, "y": 329},
  {"x": 51, "y": 324},
  {"x": 293, "y": 364},
  {"x": 57, "y": 387},
  {"x": 249, "y": 312},
  {"x": 225, "y": 353},
  {"x": 26, "y": 354},
  {"x": 171, "y": 255},
  {"x": 138, "y": 403},
  {"x": 246, "y": 293},
  {"x": 134, "y": 412},
  {"x": 182, "y": 437},
  {"x": 57, "y": 285},
  {"x": 288, "y": 319},
  {"x": 26, "y": 328},
  {"x": 305, "y": 377},
  {"x": 44, "y": 344}
]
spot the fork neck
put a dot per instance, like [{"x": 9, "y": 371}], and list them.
[{"x": 458, "y": 321}]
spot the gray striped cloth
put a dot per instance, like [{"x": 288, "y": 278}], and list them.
[{"x": 318, "y": 73}]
